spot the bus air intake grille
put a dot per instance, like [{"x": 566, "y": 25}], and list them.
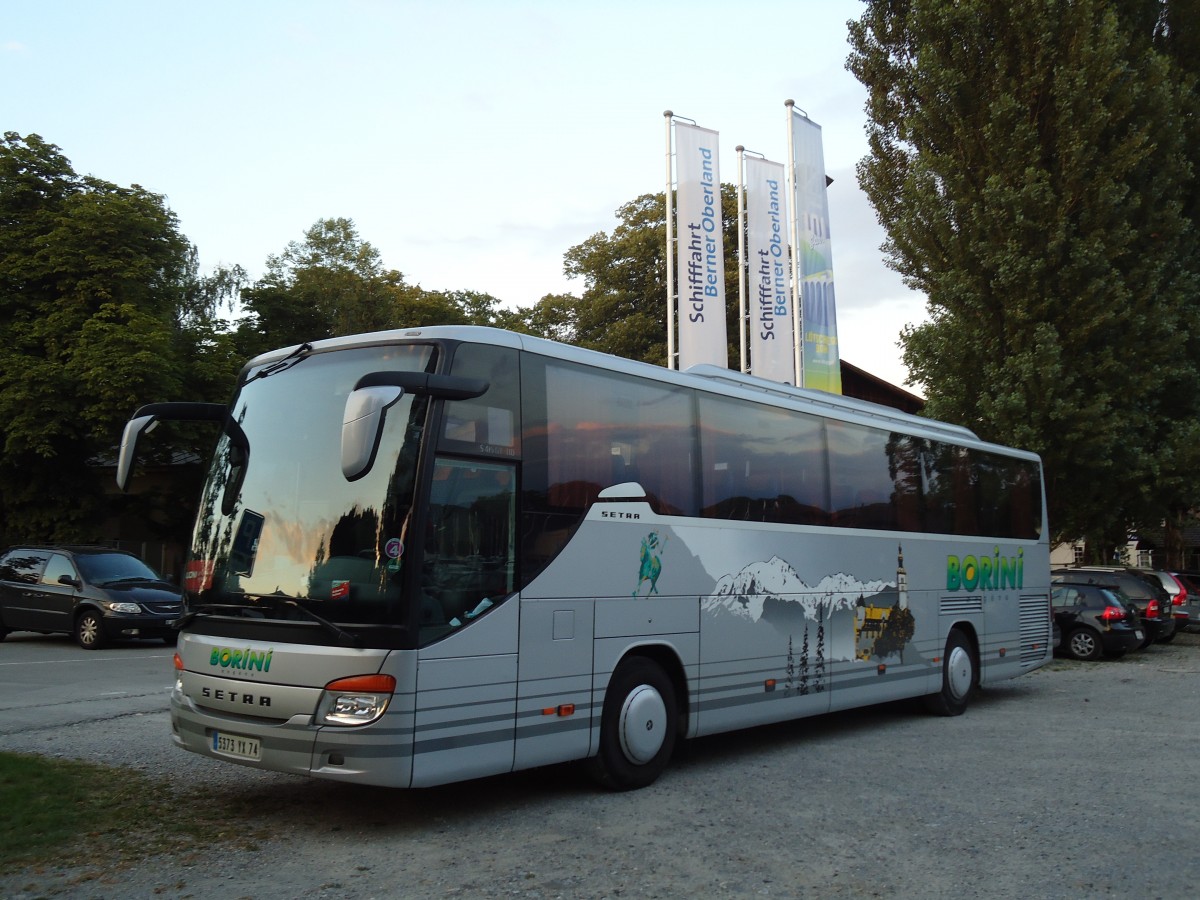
[
  {"x": 1035, "y": 630},
  {"x": 961, "y": 606}
]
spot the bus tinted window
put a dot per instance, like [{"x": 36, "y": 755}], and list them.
[
  {"x": 974, "y": 492},
  {"x": 860, "y": 477},
  {"x": 905, "y": 454},
  {"x": 470, "y": 552},
  {"x": 587, "y": 429},
  {"x": 489, "y": 424},
  {"x": 949, "y": 487},
  {"x": 762, "y": 464},
  {"x": 1007, "y": 504}
]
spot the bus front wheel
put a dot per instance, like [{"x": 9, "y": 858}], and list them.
[
  {"x": 637, "y": 726},
  {"x": 959, "y": 677}
]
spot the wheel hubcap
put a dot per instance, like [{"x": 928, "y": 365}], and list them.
[
  {"x": 1083, "y": 645},
  {"x": 958, "y": 672},
  {"x": 87, "y": 630},
  {"x": 643, "y": 724}
]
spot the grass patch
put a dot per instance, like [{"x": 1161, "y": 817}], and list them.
[{"x": 66, "y": 812}]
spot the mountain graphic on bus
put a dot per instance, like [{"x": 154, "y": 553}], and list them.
[
  {"x": 865, "y": 619},
  {"x": 756, "y": 592}
]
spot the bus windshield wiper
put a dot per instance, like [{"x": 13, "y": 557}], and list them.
[
  {"x": 203, "y": 610},
  {"x": 345, "y": 638},
  {"x": 284, "y": 364}
]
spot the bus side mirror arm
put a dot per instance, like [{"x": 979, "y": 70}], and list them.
[{"x": 151, "y": 414}]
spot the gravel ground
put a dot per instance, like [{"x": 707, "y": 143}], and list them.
[{"x": 1070, "y": 782}]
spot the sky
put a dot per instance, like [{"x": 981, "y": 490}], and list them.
[{"x": 472, "y": 142}]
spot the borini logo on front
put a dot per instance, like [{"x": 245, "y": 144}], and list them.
[{"x": 241, "y": 658}]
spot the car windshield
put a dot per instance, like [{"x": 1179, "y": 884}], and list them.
[
  {"x": 109, "y": 568},
  {"x": 296, "y": 538}
]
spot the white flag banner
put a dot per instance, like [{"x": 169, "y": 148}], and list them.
[
  {"x": 772, "y": 349},
  {"x": 700, "y": 251}
]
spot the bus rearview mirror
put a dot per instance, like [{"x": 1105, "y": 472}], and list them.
[
  {"x": 134, "y": 429},
  {"x": 362, "y": 427}
]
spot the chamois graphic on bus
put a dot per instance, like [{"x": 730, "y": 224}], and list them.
[{"x": 651, "y": 564}]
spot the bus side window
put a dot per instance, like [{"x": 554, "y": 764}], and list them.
[
  {"x": 904, "y": 462},
  {"x": 950, "y": 490},
  {"x": 470, "y": 543},
  {"x": 762, "y": 464},
  {"x": 863, "y": 485},
  {"x": 490, "y": 424},
  {"x": 586, "y": 429}
]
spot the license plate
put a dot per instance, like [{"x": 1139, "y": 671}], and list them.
[
  {"x": 237, "y": 745},
  {"x": 1138, "y": 634}
]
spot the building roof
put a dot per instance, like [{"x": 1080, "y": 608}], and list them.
[{"x": 862, "y": 385}]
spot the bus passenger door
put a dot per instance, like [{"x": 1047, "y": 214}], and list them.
[
  {"x": 466, "y": 691},
  {"x": 467, "y": 668},
  {"x": 555, "y": 685}
]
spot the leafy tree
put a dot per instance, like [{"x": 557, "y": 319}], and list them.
[
  {"x": 332, "y": 283},
  {"x": 623, "y": 309},
  {"x": 555, "y": 316},
  {"x": 449, "y": 308},
  {"x": 1177, "y": 35},
  {"x": 274, "y": 317},
  {"x": 91, "y": 283},
  {"x": 1028, "y": 163}
]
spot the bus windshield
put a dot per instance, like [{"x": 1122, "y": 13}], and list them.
[{"x": 281, "y": 534}]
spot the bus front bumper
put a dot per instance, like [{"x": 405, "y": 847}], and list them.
[{"x": 375, "y": 754}]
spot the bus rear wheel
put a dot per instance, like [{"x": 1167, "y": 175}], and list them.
[
  {"x": 960, "y": 676},
  {"x": 637, "y": 727}
]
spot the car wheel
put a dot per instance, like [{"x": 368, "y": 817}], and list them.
[
  {"x": 960, "y": 675},
  {"x": 1166, "y": 640},
  {"x": 637, "y": 727},
  {"x": 89, "y": 630},
  {"x": 170, "y": 639},
  {"x": 1084, "y": 643}
]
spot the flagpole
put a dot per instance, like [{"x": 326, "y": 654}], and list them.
[
  {"x": 669, "y": 205},
  {"x": 794, "y": 237},
  {"x": 741, "y": 220}
]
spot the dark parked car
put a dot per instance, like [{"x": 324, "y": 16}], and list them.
[
  {"x": 1094, "y": 621},
  {"x": 1191, "y": 601},
  {"x": 1179, "y": 593},
  {"x": 1148, "y": 597},
  {"x": 94, "y": 593}
]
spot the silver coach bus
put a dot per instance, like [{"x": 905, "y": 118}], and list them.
[{"x": 428, "y": 555}]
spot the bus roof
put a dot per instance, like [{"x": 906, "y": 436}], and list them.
[{"x": 707, "y": 377}]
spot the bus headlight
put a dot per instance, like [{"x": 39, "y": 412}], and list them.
[{"x": 359, "y": 700}]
